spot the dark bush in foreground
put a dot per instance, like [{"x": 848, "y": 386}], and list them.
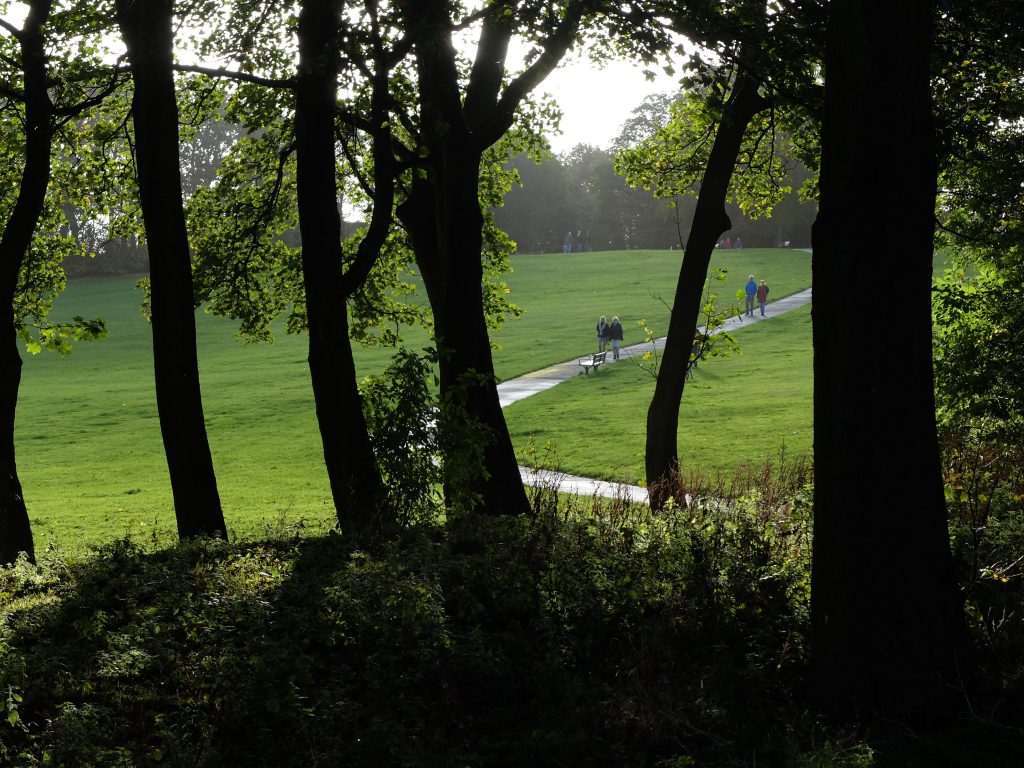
[{"x": 595, "y": 635}]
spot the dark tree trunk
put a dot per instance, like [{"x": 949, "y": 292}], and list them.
[
  {"x": 446, "y": 226},
  {"x": 709, "y": 222},
  {"x": 148, "y": 36},
  {"x": 356, "y": 483},
  {"x": 467, "y": 368},
  {"x": 886, "y": 623},
  {"x": 15, "y": 529}
]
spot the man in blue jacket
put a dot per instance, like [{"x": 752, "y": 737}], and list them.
[{"x": 751, "y": 291}]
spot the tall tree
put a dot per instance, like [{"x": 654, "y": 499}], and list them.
[
  {"x": 443, "y": 215},
  {"x": 710, "y": 220},
  {"x": 147, "y": 29},
  {"x": 297, "y": 127},
  {"x": 15, "y": 530},
  {"x": 885, "y": 615},
  {"x": 724, "y": 126},
  {"x": 42, "y": 96},
  {"x": 355, "y": 477}
]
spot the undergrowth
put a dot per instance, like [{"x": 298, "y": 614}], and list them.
[{"x": 590, "y": 632}]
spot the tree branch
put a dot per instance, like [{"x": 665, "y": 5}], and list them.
[
  {"x": 245, "y": 77},
  {"x": 554, "y": 49},
  {"x": 15, "y": 32}
]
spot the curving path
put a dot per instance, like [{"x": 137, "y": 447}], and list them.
[{"x": 513, "y": 390}]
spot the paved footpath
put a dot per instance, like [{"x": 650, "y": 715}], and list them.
[{"x": 513, "y": 390}]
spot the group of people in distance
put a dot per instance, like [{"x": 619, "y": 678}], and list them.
[
  {"x": 754, "y": 291},
  {"x": 578, "y": 243},
  {"x": 609, "y": 333}
]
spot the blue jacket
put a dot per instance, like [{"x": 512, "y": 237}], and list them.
[{"x": 751, "y": 288}]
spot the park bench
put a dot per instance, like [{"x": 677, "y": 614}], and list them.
[{"x": 592, "y": 361}]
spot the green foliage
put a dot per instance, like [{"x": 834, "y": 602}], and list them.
[
  {"x": 78, "y": 79},
  {"x": 594, "y": 634},
  {"x": 979, "y": 335},
  {"x": 671, "y": 162},
  {"x": 243, "y": 268},
  {"x": 57, "y": 337},
  {"x": 401, "y": 410},
  {"x": 984, "y": 483},
  {"x": 710, "y": 342}
]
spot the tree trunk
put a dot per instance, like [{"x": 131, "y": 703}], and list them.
[
  {"x": 886, "y": 623},
  {"x": 356, "y": 483},
  {"x": 467, "y": 368},
  {"x": 448, "y": 249},
  {"x": 15, "y": 528},
  {"x": 148, "y": 36},
  {"x": 709, "y": 222}
]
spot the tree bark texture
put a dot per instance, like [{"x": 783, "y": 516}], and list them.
[
  {"x": 146, "y": 27},
  {"x": 886, "y": 622},
  {"x": 356, "y": 484},
  {"x": 710, "y": 220},
  {"x": 15, "y": 528}
]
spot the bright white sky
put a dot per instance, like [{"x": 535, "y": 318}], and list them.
[{"x": 596, "y": 102}]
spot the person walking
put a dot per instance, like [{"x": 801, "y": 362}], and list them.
[
  {"x": 567, "y": 242},
  {"x": 762, "y": 296},
  {"x": 751, "y": 293},
  {"x": 615, "y": 336},
  {"x": 602, "y": 334}
]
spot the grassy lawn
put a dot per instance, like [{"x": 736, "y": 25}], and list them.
[
  {"x": 89, "y": 448},
  {"x": 736, "y": 410},
  {"x": 563, "y": 296}
]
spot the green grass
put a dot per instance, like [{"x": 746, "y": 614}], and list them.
[
  {"x": 89, "y": 449},
  {"x": 736, "y": 410},
  {"x": 565, "y": 294}
]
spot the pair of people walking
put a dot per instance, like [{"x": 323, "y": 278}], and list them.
[
  {"x": 756, "y": 292},
  {"x": 609, "y": 333}
]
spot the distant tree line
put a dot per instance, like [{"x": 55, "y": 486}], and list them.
[{"x": 580, "y": 191}]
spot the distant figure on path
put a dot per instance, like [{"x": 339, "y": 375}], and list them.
[
  {"x": 751, "y": 293},
  {"x": 615, "y": 336},
  {"x": 762, "y": 296},
  {"x": 727, "y": 243},
  {"x": 602, "y": 334},
  {"x": 579, "y": 241},
  {"x": 738, "y": 243},
  {"x": 567, "y": 243}
]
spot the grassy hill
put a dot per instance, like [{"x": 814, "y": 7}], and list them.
[
  {"x": 89, "y": 446},
  {"x": 736, "y": 410}
]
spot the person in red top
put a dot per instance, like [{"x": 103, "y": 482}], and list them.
[{"x": 762, "y": 296}]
